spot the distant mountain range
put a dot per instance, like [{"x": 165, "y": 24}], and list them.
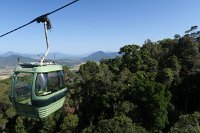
[
  {"x": 57, "y": 55},
  {"x": 10, "y": 58}
]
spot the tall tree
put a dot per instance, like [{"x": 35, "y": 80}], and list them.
[{"x": 131, "y": 57}]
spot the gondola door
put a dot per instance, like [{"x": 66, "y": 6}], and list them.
[{"x": 22, "y": 90}]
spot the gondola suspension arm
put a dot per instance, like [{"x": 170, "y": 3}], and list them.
[
  {"x": 47, "y": 42},
  {"x": 47, "y": 26}
]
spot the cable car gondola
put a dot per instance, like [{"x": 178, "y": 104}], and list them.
[{"x": 37, "y": 88}]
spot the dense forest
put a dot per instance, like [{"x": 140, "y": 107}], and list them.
[{"x": 150, "y": 88}]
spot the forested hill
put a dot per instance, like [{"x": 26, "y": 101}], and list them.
[
  {"x": 150, "y": 88},
  {"x": 99, "y": 55}
]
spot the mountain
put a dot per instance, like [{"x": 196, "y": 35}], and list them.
[
  {"x": 84, "y": 54},
  {"x": 12, "y": 60},
  {"x": 9, "y": 53},
  {"x": 97, "y": 56}
]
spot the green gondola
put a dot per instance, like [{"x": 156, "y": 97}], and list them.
[{"x": 37, "y": 91}]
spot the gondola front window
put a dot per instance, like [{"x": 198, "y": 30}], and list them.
[
  {"x": 22, "y": 87},
  {"x": 48, "y": 83}
]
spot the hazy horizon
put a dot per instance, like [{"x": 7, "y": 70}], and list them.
[{"x": 52, "y": 52}]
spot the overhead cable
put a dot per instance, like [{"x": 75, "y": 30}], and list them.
[{"x": 38, "y": 19}]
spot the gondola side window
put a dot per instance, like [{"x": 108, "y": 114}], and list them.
[
  {"x": 48, "y": 83},
  {"x": 22, "y": 87}
]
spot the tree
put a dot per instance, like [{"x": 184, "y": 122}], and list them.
[
  {"x": 3, "y": 122},
  {"x": 69, "y": 124},
  {"x": 166, "y": 76},
  {"x": 152, "y": 100},
  {"x": 115, "y": 65},
  {"x": 118, "y": 124},
  {"x": 187, "y": 50},
  {"x": 152, "y": 48},
  {"x": 186, "y": 91},
  {"x": 187, "y": 124},
  {"x": 149, "y": 64},
  {"x": 88, "y": 70},
  {"x": 96, "y": 93},
  {"x": 19, "y": 127},
  {"x": 131, "y": 57},
  {"x": 187, "y": 94},
  {"x": 177, "y": 36},
  {"x": 72, "y": 80},
  {"x": 135, "y": 59},
  {"x": 192, "y": 32}
]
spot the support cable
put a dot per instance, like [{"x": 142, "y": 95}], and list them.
[{"x": 40, "y": 19}]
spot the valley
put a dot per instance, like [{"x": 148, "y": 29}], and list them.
[
  {"x": 9, "y": 60},
  {"x": 5, "y": 72}
]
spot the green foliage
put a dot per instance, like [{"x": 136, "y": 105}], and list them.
[
  {"x": 19, "y": 127},
  {"x": 69, "y": 123},
  {"x": 6, "y": 111},
  {"x": 131, "y": 57},
  {"x": 88, "y": 70},
  {"x": 4, "y": 87},
  {"x": 177, "y": 36},
  {"x": 118, "y": 124},
  {"x": 132, "y": 90},
  {"x": 166, "y": 76},
  {"x": 3, "y": 121},
  {"x": 89, "y": 129},
  {"x": 96, "y": 94},
  {"x": 187, "y": 124},
  {"x": 135, "y": 59},
  {"x": 113, "y": 64},
  {"x": 10, "y": 112},
  {"x": 153, "y": 49},
  {"x": 149, "y": 64},
  {"x": 48, "y": 125},
  {"x": 152, "y": 100},
  {"x": 174, "y": 64}
]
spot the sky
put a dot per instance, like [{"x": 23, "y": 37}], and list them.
[{"x": 93, "y": 25}]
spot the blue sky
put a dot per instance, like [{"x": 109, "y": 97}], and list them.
[{"x": 92, "y": 25}]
